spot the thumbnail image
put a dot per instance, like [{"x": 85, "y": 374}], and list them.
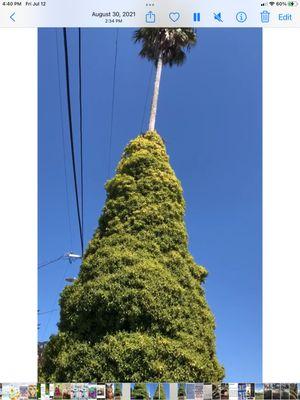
[
  {"x": 224, "y": 391},
  {"x": 118, "y": 150},
  {"x": 268, "y": 391},
  {"x": 181, "y": 391},
  {"x": 101, "y": 391},
  {"x": 43, "y": 391},
  {"x": 74, "y": 391},
  {"x": 24, "y": 393},
  {"x": 58, "y": 391},
  {"x": 85, "y": 391},
  {"x": 77, "y": 391},
  {"x": 298, "y": 386},
  {"x": 139, "y": 392},
  {"x": 66, "y": 391},
  {"x": 51, "y": 390},
  {"x": 242, "y": 391},
  {"x": 32, "y": 391},
  {"x": 47, "y": 392},
  {"x": 233, "y": 391},
  {"x": 155, "y": 391},
  {"x": 0, "y": 391},
  {"x": 293, "y": 391},
  {"x": 259, "y": 391},
  {"x": 276, "y": 391},
  {"x": 38, "y": 391},
  {"x": 5, "y": 391},
  {"x": 250, "y": 391},
  {"x": 109, "y": 391},
  {"x": 190, "y": 391},
  {"x": 10, "y": 391},
  {"x": 159, "y": 391},
  {"x": 199, "y": 395},
  {"x": 92, "y": 391},
  {"x": 216, "y": 391},
  {"x": 118, "y": 391},
  {"x": 207, "y": 392},
  {"x": 284, "y": 391}
]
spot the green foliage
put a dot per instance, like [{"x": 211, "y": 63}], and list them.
[
  {"x": 159, "y": 393},
  {"x": 139, "y": 392},
  {"x": 170, "y": 44},
  {"x": 137, "y": 311}
]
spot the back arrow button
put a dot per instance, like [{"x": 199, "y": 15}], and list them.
[{"x": 12, "y": 17}]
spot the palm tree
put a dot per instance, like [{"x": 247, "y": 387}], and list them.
[{"x": 163, "y": 46}]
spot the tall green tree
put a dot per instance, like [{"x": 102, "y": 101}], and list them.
[
  {"x": 137, "y": 311},
  {"x": 163, "y": 46},
  {"x": 139, "y": 392},
  {"x": 159, "y": 393}
]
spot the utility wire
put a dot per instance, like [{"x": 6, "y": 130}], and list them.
[
  {"x": 72, "y": 136},
  {"x": 113, "y": 101},
  {"x": 63, "y": 143},
  {"x": 47, "y": 312},
  {"x": 55, "y": 301},
  {"x": 81, "y": 129},
  {"x": 51, "y": 262},
  {"x": 67, "y": 256}
]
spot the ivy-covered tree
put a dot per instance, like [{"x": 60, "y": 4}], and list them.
[
  {"x": 137, "y": 311},
  {"x": 159, "y": 393},
  {"x": 139, "y": 392}
]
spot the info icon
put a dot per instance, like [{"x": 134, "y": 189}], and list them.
[{"x": 241, "y": 16}]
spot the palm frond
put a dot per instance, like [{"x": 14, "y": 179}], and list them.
[{"x": 171, "y": 44}]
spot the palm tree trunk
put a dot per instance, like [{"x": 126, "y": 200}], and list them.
[{"x": 155, "y": 94}]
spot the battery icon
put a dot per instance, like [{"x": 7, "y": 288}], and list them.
[
  {"x": 265, "y": 16},
  {"x": 292, "y": 3}
]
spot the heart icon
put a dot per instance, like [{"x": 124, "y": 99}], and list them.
[{"x": 174, "y": 16}]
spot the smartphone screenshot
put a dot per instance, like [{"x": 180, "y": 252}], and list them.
[{"x": 150, "y": 200}]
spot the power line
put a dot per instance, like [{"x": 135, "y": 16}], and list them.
[
  {"x": 71, "y": 257},
  {"x": 113, "y": 101},
  {"x": 72, "y": 136},
  {"x": 63, "y": 143},
  {"x": 81, "y": 129},
  {"x": 51, "y": 262},
  {"x": 53, "y": 304},
  {"x": 47, "y": 312}
]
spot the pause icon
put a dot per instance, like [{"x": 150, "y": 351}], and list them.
[{"x": 196, "y": 17}]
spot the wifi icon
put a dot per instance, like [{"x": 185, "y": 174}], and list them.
[{"x": 272, "y": 3}]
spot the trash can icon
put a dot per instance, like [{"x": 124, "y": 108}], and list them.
[{"x": 265, "y": 16}]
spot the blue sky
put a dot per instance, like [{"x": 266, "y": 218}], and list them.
[{"x": 210, "y": 117}]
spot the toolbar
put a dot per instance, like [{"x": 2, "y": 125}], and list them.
[{"x": 151, "y": 13}]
